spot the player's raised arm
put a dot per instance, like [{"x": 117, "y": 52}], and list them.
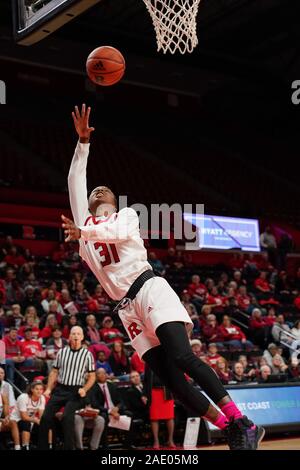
[
  {"x": 115, "y": 229},
  {"x": 77, "y": 174}
]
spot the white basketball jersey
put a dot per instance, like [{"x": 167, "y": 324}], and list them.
[{"x": 111, "y": 246}]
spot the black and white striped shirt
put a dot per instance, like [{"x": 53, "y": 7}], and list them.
[{"x": 72, "y": 365}]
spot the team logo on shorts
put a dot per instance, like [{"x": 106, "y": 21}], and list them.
[{"x": 134, "y": 330}]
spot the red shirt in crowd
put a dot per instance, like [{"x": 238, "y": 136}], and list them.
[
  {"x": 197, "y": 289},
  {"x": 35, "y": 331},
  {"x": 269, "y": 321},
  {"x": 212, "y": 333},
  {"x": 110, "y": 335},
  {"x": 262, "y": 283},
  {"x": 30, "y": 348},
  {"x": 12, "y": 348},
  {"x": 212, "y": 359},
  {"x": 257, "y": 323},
  {"x": 214, "y": 299},
  {"x": 243, "y": 301},
  {"x": 137, "y": 364},
  {"x": 231, "y": 332},
  {"x": 15, "y": 260}
]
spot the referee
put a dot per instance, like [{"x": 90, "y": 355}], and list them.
[{"x": 72, "y": 375}]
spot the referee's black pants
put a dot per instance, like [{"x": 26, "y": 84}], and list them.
[
  {"x": 67, "y": 396},
  {"x": 174, "y": 357}
]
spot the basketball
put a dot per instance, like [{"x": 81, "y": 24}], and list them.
[{"x": 105, "y": 66}]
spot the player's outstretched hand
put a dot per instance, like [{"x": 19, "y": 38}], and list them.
[
  {"x": 71, "y": 231},
  {"x": 81, "y": 123}
]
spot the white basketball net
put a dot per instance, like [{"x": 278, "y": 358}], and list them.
[{"x": 175, "y": 23}]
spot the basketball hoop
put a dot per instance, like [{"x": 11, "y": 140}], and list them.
[{"x": 175, "y": 24}]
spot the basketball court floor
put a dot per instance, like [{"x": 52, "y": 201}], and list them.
[{"x": 292, "y": 443}]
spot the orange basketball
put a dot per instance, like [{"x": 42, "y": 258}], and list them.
[{"x": 105, "y": 66}]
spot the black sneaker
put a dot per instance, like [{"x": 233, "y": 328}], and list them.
[{"x": 242, "y": 434}]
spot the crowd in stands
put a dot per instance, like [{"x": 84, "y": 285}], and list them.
[{"x": 246, "y": 326}]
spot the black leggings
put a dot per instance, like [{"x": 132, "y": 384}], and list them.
[{"x": 172, "y": 358}]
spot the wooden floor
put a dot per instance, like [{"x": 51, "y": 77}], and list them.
[{"x": 292, "y": 443}]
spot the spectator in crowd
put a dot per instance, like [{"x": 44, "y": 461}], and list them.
[
  {"x": 137, "y": 364},
  {"x": 249, "y": 369},
  {"x": 278, "y": 365},
  {"x": 212, "y": 355},
  {"x": 295, "y": 331},
  {"x": 4, "y": 414},
  {"x": 54, "y": 310},
  {"x": 269, "y": 353},
  {"x": 64, "y": 298},
  {"x": 283, "y": 288},
  {"x": 81, "y": 297},
  {"x": 196, "y": 346},
  {"x": 270, "y": 318},
  {"x": 32, "y": 349},
  {"x": 211, "y": 332},
  {"x": 136, "y": 398},
  {"x": 243, "y": 299},
  {"x": 14, "y": 259},
  {"x": 264, "y": 374},
  {"x": 191, "y": 309},
  {"x": 31, "y": 311},
  {"x": 161, "y": 408},
  {"x": 269, "y": 244},
  {"x": 50, "y": 325},
  {"x": 107, "y": 398},
  {"x": 60, "y": 255},
  {"x": 69, "y": 322},
  {"x": 53, "y": 345},
  {"x": 214, "y": 299},
  {"x": 90, "y": 418},
  {"x": 279, "y": 328},
  {"x": 233, "y": 336},
  {"x": 156, "y": 264},
  {"x": 119, "y": 361},
  {"x": 222, "y": 370},
  {"x": 108, "y": 333},
  {"x": 7, "y": 391},
  {"x": 16, "y": 318},
  {"x": 236, "y": 261},
  {"x": 31, "y": 299},
  {"x": 239, "y": 373},
  {"x": 46, "y": 302},
  {"x": 206, "y": 310},
  {"x": 294, "y": 369},
  {"x": 297, "y": 300},
  {"x": 102, "y": 363},
  {"x": 101, "y": 298},
  {"x": 52, "y": 286},
  {"x": 263, "y": 287},
  {"x": 14, "y": 357},
  {"x": 13, "y": 292},
  {"x": 258, "y": 328},
  {"x": 28, "y": 412},
  {"x": 30, "y": 322},
  {"x": 91, "y": 332},
  {"x": 197, "y": 291}
]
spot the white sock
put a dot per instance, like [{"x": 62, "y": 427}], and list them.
[{"x": 17, "y": 447}]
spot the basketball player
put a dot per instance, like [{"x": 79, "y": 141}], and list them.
[{"x": 151, "y": 312}]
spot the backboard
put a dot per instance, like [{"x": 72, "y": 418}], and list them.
[{"x": 34, "y": 20}]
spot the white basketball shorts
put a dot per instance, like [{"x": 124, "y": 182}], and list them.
[{"x": 156, "y": 303}]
